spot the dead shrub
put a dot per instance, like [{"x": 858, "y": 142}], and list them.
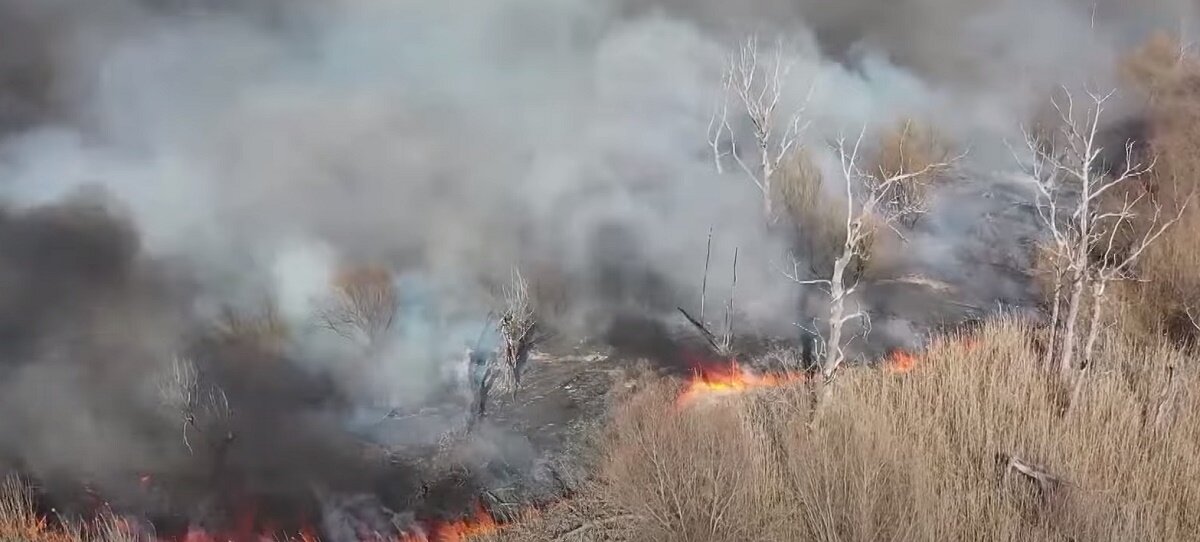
[
  {"x": 1169, "y": 80},
  {"x": 910, "y": 147},
  {"x": 817, "y": 216},
  {"x": 365, "y": 303},
  {"x": 689, "y": 475}
]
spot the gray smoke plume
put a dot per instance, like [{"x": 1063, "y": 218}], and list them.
[{"x": 247, "y": 151}]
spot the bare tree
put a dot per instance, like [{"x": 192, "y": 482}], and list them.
[
  {"x": 364, "y": 304},
  {"x": 495, "y": 370},
  {"x": 202, "y": 407},
  {"x": 1093, "y": 238},
  {"x": 519, "y": 331},
  {"x": 758, "y": 87},
  {"x": 873, "y": 200}
]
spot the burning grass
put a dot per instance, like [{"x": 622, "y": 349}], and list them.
[
  {"x": 925, "y": 456},
  {"x": 714, "y": 380},
  {"x": 727, "y": 379},
  {"x": 20, "y": 521},
  {"x": 479, "y": 523}
]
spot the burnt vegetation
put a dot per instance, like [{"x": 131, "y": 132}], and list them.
[{"x": 899, "y": 402}]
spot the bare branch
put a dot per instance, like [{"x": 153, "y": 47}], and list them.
[
  {"x": 758, "y": 87},
  {"x": 364, "y": 304},
  {"x": 871, "y": 201},
  {"x": 1084, "y": 225},
  {"x": 518, "y": 327},
  {"x": 202, "y": 407}
]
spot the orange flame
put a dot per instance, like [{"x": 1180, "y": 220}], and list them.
[
  {"x": 478, "y": 523},
  {"x": 197, "y": 535},
  {"x": 901, "y": 362},
  {"x": 729, "y": 379},
  {"x": 26, "y": 525}
]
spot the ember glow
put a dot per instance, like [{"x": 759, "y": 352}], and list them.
[
  {"x": 478, "y": 524},
  {"x": 901, "y": 362},
  {"x": 731, "y": 378},
  {"x": 201, "y": 536}
]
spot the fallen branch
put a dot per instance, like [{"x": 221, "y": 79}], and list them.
[
  {"x": 708, "y": 335},
  {"x": 922, "y": 281},
  {"x": 590, "y": 524},
  {"x": 1047, "y": 483}
]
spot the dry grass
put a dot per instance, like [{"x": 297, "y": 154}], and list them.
[
  {"x": 915, "y": 456},
  {"x": 922, "y": 456},
  {"x": 20, "y": 522}
]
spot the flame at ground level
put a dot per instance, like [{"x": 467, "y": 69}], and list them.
[
  {"x": 29, "y": 527},
  {"x": 478, "y": 524},
  {"x": 729, "y": 379},
  {"x": 900, "y": 362}
]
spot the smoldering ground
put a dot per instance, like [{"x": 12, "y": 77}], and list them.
[
  {"x": 98, "y": 408},
  {"x": 251, "y": 148}
]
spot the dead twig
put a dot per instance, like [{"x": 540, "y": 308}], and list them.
[
  {"x": 704, "y": 332},
  {"x": 590, "y": 524},
  {"x": 1046, "y": 483}
]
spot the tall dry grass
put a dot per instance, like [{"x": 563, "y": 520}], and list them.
[
  {"x": 920, "y": 456},
  {"x": 21, "y": 522}
]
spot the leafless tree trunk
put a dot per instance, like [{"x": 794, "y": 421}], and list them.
[
  {"x": 1066, "y": 359},
  {"x": 722, "y": 344},
  {"x": 1072, "y": 194},
  {"x": 1098, "y": 288},
  {"x": 727, "y": 334},
  {"x": 758, "y": 86},
  {"x": 704, "y": 281},
  {"x": 876, "y": 207},
  {"x": 1056, "y": 306}
]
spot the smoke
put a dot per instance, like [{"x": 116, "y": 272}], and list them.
[
  {"x": 246, "y": 151},
  {"x": 82, "y": 311}
]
